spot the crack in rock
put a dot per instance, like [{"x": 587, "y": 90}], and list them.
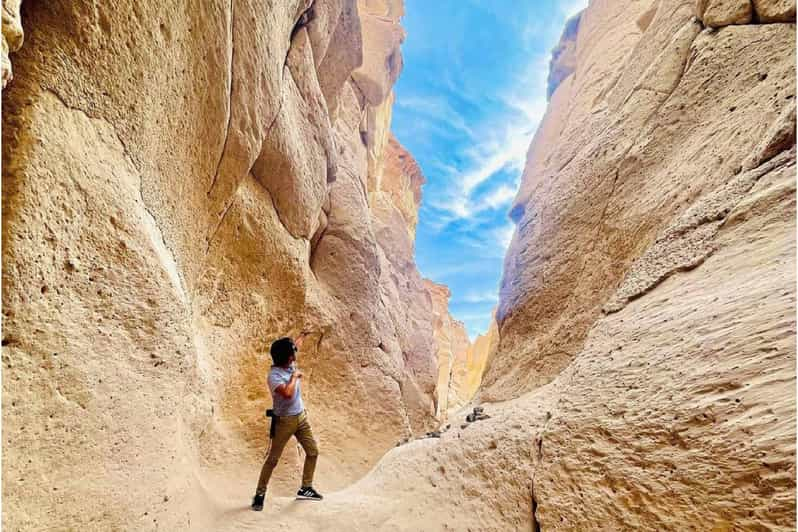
[{"x": 688, "y": 242}]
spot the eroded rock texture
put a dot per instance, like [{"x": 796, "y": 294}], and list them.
[
  {"x": 183, "y": 183},
  {"x": 646, "y": 353},
  {"x": 479, "y": 354},
  {"x": 563, "y": 57},
  {"x": 11, "y": 38},
  {"x": 646, "y": 327},
  {"x": 650, "y": 285},
  {"x": 453, "y": 346}
]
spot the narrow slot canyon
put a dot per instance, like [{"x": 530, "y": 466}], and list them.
[{"x": 185, "y": 182}]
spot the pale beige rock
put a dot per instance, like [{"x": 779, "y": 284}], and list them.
[
  {"x": 669, "y": 206},
  {"x": 644, "y": 20},
  {"x": 677, "y": 410},
  {"x": 335, "y": 26},
  {"x": 382, "y": 60},
  {"x": 673, "y": 194},
  {"x": 375, "y": 130},
  {"x": 565, "y": 162},
  {"x": 479, "y": 356},
  {"x": 453, "y": 345},
  {"x": 646, "y": 327},
  {"x": 11, "y": 39},
  {"x": 719, "y": 13},
  {"x": 404, "y": 187},
  {"x": 166, "y": 216},
  {"x": 775, "y": 10}
]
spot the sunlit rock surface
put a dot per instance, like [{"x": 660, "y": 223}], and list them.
[
  {"x": 453, "y": 345},
  {"x": 165, "y": 215},
  {"x": 12, "y": 38},
  {"x": 181, "y": 186},
  {"x": 647, "y": 316}
]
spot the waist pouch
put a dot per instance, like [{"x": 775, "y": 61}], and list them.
[{"x": 273, "y": 425}]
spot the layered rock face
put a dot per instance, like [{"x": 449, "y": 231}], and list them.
[
  {"x": 182, "y": 184},
  {"x": 669, "y": 113},
  {"x": 12, "y": 37},
  {"x": 649, "y": 290},
  {"x": 646, "y": 329},
  {"x": 453, "y": 346},
  {"x": 479, "y": 356},
  {"x": 647, "y": 313}
]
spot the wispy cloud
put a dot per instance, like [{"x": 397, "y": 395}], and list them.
[
  {"x": 468, "y": 104},
  {"x": 486, "y": 296},
  {"x": 501, "y": 144},
  {"x": 569, "y": 8},
  {"x": 491, "y": 243},
  {"x": 498, "y": 197},
  {"x": 437, "y": 109},
  {"x": 504, "y": 235}
]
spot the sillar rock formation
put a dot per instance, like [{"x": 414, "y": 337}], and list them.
[
  {"x": 643, "y": 368},
  {"x": 182, "y": 185},
  {"x": 460, "y": 363}
]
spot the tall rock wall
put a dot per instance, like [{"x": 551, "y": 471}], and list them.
[
  {"x": 165, "y": 216},
  {"x": 478, "y": 356},
  {"x": 453, "y": 346},
  {"x": 649, "y": 290},
  {"x": 182, "y": 184},
  {"x": 644, "y": 377},
  {"x": 658, "y": 113}
]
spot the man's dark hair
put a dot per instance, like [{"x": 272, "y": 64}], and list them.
[{"x": 282, "y": 350}]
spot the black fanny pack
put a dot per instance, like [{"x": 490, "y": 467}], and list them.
[{"x": 272, "y": 427}]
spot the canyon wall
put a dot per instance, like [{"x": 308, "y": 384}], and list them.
[
  {"x": 478, "y": 356},
  {"x": 453, "y": 346},
  {"x": 182, "y": 184},
  {"x": 644, "y": 377},
  {"x": 167, "y": 215},
  {"x": 655, "y": 116},
  {"x": 649, "y": 289}
]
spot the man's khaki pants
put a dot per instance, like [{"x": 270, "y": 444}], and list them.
[{"x": 288, "y": 426}]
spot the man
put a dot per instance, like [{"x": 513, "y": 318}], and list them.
[{"x": 290, "y": 419}]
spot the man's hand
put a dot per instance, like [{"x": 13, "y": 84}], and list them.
[
  {"x": 299, "y": 339},
  {"x": 298, "y": 374}
]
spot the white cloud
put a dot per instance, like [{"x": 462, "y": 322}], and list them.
[
  {"x": 503, "y": 142},
  {"x": 499, "y": 196},
  {"x": 504, "y": 235},
  {"x": 487, "y": 296},
  {"x": 487, "y": 159},
  {"x": 437, "y": 109},
  {"x": 570, "y": 8}
]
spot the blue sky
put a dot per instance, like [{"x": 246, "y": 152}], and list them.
[{"x": 469, "y": 99}]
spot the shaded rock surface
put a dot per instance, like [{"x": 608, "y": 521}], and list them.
[
  {"x": 563, "y": 57},
  {"x": 479, "y": 356}
]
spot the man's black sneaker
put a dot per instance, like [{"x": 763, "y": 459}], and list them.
[
  {"x": 308, "y": 494},
  {"x": 257, "y": 502}
]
